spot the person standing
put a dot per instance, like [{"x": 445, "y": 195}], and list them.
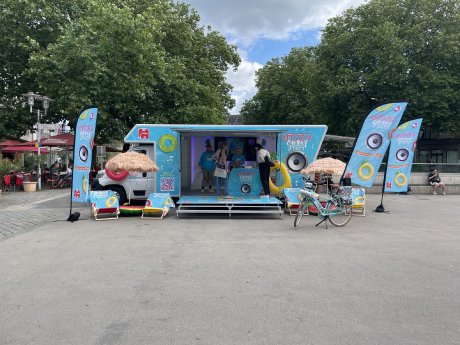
[
  {"x": 207, "y": 165},
  {"x": 264, "y": 168},
  {"x": 220, "y": 157},
  {"x": 435, "y": 181}
]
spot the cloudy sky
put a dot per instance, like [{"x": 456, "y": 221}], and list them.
[{"x": 265, "y": 29}]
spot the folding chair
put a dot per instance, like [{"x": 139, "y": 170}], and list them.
[
  {"x": 358, "y": 197},
  {"x": 104, "y": 205},
  {"x": 292, "y": 200},
  {"x": 157, "y": 205}
]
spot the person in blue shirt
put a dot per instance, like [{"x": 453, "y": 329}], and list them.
[
  {"x": 237, "y": 158},
  {"x": 207, "y": 165}
]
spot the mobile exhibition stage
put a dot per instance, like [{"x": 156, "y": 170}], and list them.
[{"x": 176, "y": 149}]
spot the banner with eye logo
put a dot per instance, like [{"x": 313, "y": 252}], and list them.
[
  {"x": 372, "y": 142},
  {"x": 401, "y": 156},
  {"x": 83, "y": 152}
]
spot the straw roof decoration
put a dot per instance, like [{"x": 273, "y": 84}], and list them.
[
  {"x": 325, "y": 165},
  {"x": 131, "y": 161}
]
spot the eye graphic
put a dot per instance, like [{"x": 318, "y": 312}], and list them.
[
  {"x": 374, "y": 141},
  {"x": 402, "y": 155},
  {"x": 83, "y": 153}
]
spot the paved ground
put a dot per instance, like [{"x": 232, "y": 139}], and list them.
[
  {"x": 21, "y": 211},
  {"x": 383, "y": 279}
]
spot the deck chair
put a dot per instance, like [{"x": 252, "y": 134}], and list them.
[
  {"x": 291, "y": 197},
  {"x": 358, "y": 197},
  {"x": 104, "y": 205},
  {"x": 157, "y": 206}
]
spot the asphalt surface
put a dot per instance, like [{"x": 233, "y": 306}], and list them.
[{"x": 391, "y": 278}]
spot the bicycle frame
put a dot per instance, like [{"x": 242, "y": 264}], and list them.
[{"x": 335, "y": 205}]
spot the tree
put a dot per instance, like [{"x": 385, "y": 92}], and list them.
[
  {"x": 382, "y": 50},
  {"x": 392, "y": 49},
  {"x": 139, "y": 62},
  {"x": 26, "y": 27},
  {"x": 284, "y": 91}
]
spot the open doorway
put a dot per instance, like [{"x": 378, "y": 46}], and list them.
[{"x": 241, "y": 154}]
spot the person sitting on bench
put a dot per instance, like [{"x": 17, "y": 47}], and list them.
[{"x": 435, "y": 181}]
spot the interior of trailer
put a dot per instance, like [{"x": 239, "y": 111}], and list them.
[{"x": 241, "y": 153}]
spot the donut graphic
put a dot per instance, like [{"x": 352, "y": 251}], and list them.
[
  {"x": 366, "y": 171},
  {"x": 400, "y": 179}
]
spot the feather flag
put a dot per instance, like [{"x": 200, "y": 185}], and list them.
[
  {"x": 402, "y": 149},
  {"x": 83, "y": 152},
  {"x": 372, "y": 142}
]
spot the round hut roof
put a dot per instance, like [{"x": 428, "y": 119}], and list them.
[{"x": 132, "y": 161}]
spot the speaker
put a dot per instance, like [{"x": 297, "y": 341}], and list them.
[
  {"x": 245, "y": 188},
  {"x": 296, "y": 161}
]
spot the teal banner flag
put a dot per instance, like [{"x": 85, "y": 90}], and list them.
[
  {"x": 401, "y": 156},
  {"x": 372, "y": 142},
  {"x": 83, "y": 152}
]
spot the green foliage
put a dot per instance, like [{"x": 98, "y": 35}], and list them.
[
  {"x": 284, "y": 91},
  {"x": 138, "y": 61},
  {"x": 26, "y": 27},
  {"x": 30, "y": 162},
  {"x": 383, "y": 50}
]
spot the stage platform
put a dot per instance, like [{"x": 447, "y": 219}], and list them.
[{"x": 229, "y": 205}]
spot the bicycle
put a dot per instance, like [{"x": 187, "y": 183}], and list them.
[{"x": 337, "y": 210}]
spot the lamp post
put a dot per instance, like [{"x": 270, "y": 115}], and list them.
[{"x": 31, "y": 97}]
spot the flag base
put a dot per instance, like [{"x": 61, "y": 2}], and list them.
[{"x": 380, "y": 209}]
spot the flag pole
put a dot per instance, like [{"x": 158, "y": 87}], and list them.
[
  {"x": 73, "y": 167},
  {"x": 380, "y": 208}
]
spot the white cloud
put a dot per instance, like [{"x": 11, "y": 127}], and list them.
[
  {"x": 243, "y": 22},
  {"x": 243, "y": 82},
  {"x": 246, "y": 21}
]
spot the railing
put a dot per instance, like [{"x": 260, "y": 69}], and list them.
[{"x": 427, "y": 167}]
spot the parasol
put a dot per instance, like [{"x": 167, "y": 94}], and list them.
[
  {"x": 132, "y": 162},
  {"x": 325, "y": 166}
]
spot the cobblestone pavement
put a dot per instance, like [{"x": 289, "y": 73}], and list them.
[{"x": 20, "y": 211}]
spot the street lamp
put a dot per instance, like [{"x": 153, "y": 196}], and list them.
[{"x": 31, "y": 97}]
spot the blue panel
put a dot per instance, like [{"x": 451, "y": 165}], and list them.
[
  {"x": 402, "y": 149},
  {"x": 304, "y": 139},
  {"x": 372, "y": 143},
  {"x": 84, "y": 142},
  {"x": 244, "y": 182}
]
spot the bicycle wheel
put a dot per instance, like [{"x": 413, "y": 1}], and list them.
[
  {"x": 339, "y": 214},
  {"x": 300, "y": 211}
]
